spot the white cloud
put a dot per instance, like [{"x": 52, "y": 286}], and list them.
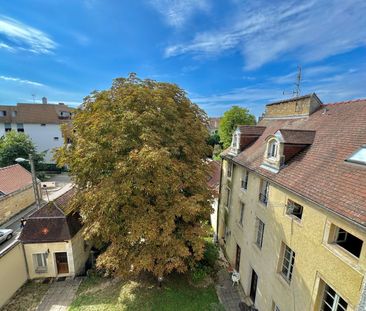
[
  {"x": 177, "y": 12},
  {"x": 20, "y": 36},
  {"x": 264, "y": 31},
  {"x": 12, "y": 79}
]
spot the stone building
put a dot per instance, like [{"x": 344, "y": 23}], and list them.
[{"x": 292, "y": 206}]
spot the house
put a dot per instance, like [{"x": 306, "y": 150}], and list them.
[
  {"x": 40, "y": 121},
  {"x": 16, "y": 191},
  {"x": 53, "y": 242},
  {"x": 213, "y": 125},
  {"x": 292, "y": 206}
]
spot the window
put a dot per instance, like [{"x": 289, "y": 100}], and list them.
[
  {"x": 272, "y": 149},
  {"x": 7, "y": 127},
  {"x": 348, "y": 241},
  {"x": 241, "y": 213},
  {"x": 359, "y": 156},
  {"x": 275, "y": 307},
  {"x": 260, "y": 233},
  {"x": 40, "y": 262},
  {"x": 235, "y": 141},
  {"x": 55, "y": 138},
  {"x": 20, "y": 127},
  {"x": 2, "y": 113},
  {"x": 332, "y": 301},
  {"x": 263, "y": 194},
  {"x": 228, "y": 197},
  {"x": 229, "y": 169},
  {"x": 244, "y": 181},
  {"x": 288, "y": 263},
  {"x": 294, "y": 209}
]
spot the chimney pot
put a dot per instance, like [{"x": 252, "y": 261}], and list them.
[{"x": 44, "y": 100}]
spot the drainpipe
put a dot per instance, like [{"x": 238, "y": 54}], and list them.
[
  {"x": 362, "y": 304},
  {"x": 218, "y": 205},
  {"x": 26, "y": 262}
]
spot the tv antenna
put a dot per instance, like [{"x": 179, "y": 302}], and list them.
[
  {"x": 34, "y": 98},
  {"x": 297, "y": 90}
]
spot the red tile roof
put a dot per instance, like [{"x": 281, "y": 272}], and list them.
[
  {"x": 320, "y": 172},
  {"x": 13, "y": 178},
  {"x": 297, "y": 137}
]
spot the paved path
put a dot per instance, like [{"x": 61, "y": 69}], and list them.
[{"x": 60, "y": 295}]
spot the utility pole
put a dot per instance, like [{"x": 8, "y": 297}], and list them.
[{"x": 34, "y": 181}]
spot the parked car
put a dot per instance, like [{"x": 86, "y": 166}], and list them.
[{"x": 5, "y": 234}]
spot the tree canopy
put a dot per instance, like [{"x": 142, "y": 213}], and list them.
[
  {"x": 137, "y": 158},
  {"x": 17, "y": 145},
  {"x": 231, "y": 119}
]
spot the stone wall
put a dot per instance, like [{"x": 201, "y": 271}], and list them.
[{"x": 14, "y": 203}]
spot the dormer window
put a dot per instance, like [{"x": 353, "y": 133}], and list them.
[
  {"x": 235, "y": 141},
  {"x": 272, "y": 149}
]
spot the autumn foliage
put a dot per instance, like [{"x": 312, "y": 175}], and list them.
[{"x": 137, "y": 158}]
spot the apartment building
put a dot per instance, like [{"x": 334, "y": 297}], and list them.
[
  {"x": 40, "y": 121},
  {"x": 292, "y": 209}
]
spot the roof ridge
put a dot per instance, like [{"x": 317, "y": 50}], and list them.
[
  {"x": 297, "y": 130},
  {"x": 346, "y": 102},
  {"x": 6, "y": 167}
]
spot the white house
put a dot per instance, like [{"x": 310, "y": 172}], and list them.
[{"x": 40, "y": 121}]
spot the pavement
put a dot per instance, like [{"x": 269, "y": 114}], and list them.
[
  {"x": 60, "y": 295},
  {"x": 63, "y": 184}
]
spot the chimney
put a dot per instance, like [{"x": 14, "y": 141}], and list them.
[
  {"x": 61, "y": 103},
  {"x": 44, "y": 100}
]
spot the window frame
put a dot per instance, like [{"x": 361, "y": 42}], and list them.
[
  {"x": 228, "y": 198},
  {"x": 263, "y": 197},
  {"x": 230, "y": 169},
  {"x": 292, "y": 214},
  {"x": 336, "y": 298},
  {"x": 241, "y": 216},
  {"x": 290, "y": 263},
  {"x": 335, "y": 241},
  {"x": 272, "y": 149},
  {"x": 43, "y": 258},
  {"x": 259, "y": 238},
  {"x": 244, "y": 181}
]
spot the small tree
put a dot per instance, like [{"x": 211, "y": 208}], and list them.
[
  {"x": 232, "y": 118},
  {"x": 137, "y": 157},
  {"x": 17, "y": 145}
]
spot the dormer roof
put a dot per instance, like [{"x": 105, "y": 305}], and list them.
[{"x": 296, "y": 137}]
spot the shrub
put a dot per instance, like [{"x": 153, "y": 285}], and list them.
[
  {"x": 210, "y": 255},
  {"x": 198, "y": 273}
]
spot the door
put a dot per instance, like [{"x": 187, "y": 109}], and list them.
[
  {"x": 253, "y": 286},
  {"x": 237, "y": 258},
  {"x": 61, "y": 263}
]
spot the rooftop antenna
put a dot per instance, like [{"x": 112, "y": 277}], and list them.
[
  {"x": 34, "y": 98},
  {"x": 297, "y": 90}
]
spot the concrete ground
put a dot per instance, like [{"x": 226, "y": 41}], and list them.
[{"x": 60, "y": 295}]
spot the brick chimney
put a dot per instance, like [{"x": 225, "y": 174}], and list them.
[{"x": 44, "y": 100}]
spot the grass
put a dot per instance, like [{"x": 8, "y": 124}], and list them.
[
  {"x": 97, "y": 293},
  {"x": 27, "y": 297}
]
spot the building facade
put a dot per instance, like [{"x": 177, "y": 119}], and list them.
[
  {"x": 40, "y": 121},
  {"x": 292, "y": 208}
]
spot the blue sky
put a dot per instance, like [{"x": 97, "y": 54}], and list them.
[{"x": 222, "y": 52}]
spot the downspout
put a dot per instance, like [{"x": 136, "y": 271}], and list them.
[
  {"x": 26, "y": 262},
  {"x": 218, "y": 204}
]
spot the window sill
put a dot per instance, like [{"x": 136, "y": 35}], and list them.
[
  {"x": 256, "y": 247},
  {"x": 343, "y": 255},
  {"x": 40, "y": 271},
  {"x": 283, "y": 280},
  {"x": 295, "y": 219},
  {"x": 241, "y": 227}
]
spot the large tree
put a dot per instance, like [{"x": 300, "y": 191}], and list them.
[
  {"x": 18, "y": 145},
  {"x": 231, "y": 119},
  {"x": 137, "y": 158}
]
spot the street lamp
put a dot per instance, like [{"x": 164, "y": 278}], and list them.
[{"x": 34, "y": 178}]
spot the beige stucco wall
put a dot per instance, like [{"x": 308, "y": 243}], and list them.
[
  {"x": 315, "y": 258},
  {"x": 14, "y": 203},
  {"x": 13, "y": 273},
  {"x": 76, "y": 256},
  {"x": 81, "y": 252},
  {"x": 51, "y": 249}
]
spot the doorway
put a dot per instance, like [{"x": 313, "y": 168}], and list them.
[
  {"x": 237, "y": 258},
  {"x": 61, "y": 263},
  {"x": 253, "y": 286}
]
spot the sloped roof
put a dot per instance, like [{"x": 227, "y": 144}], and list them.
[
  {"x": 320, "y": 172},
  {"x": 297, "y": 137},
  {"x": 214, "y": 175},
  {"x": 252, "y": 130},
  {"x": 50, "y": 223},
  {"x": 35, "y": 113},
  {"x": 14, "y": 178}
]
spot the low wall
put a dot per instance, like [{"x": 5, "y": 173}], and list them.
[
  {"x": 13, "y": 273},
  {"x": 14, "y": 203}
]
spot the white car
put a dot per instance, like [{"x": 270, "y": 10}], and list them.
[{"x": 5, "y": 234}]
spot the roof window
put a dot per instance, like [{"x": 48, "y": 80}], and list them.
[{"x": 359, "y": 156}]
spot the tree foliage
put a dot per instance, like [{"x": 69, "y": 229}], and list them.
[
  {"x": 137, "y": 157},
  {"x": 18, "y": 145},
  {"x": 231, "y": 119}
]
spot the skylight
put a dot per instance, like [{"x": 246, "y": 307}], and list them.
[{"x": 359, "y": 156}]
